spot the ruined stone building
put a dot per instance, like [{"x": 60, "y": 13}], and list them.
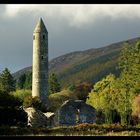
[
  {"x": 70, "y": 113},
  {"x": 73, "y": 112}
]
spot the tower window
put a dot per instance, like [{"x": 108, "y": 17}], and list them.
[
  {"x": 34, "y": 37},
  {"x": 43, "y": 36},
  {"x": 42, "y": 57}
]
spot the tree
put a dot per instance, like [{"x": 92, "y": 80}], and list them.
[
  {"x": 7, "y": 82},
  {"x": 25, "y": 81},
  {"x": 57, "y": 99},
  {"x": 121, "y": 92},
  {"x": 101, "y": 97},
  {"x": 136, "y": 106},
  {"x": 128, "y": 81},
  {"x": 122, "y": 101},
  {"x": 81, "y": 90},
  {"x": 28, "y": 81},
  {"x": 21, "y": 81},
  {"x": 130, "y": 65},
  {"x": 11, "y": 111},
  {"x": 54, "y": 85}
]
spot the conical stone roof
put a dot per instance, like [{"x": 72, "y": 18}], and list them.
[{"x": 40, "y": 27}]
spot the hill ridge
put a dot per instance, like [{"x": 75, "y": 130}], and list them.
[{"x": 78, "y": 65}]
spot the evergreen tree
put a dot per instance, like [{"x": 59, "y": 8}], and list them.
[
  {"x": 28, "y": 81},
  {"x": 21, "y": 81},
  {"x": 7, "y": 82},
  {"x": 25, "y": 81},
  {"x": 130, "y": 63},
  {"x": 129, "y": 81},
  {"x": 54, "y": 85}
]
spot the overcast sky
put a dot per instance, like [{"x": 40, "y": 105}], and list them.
[{"x": 70, "y": 27}]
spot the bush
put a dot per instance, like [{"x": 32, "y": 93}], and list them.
[
  {"x": 35, "y": 102},
  {"x": 57, "y": 99},
  {"x": 11, "y": 112},
  {"x": 21, "y": 94}
]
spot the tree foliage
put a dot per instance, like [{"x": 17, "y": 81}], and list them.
[
  {"x": 54, "y": 85},
  {"x": 101, "y": 97},
  {"x": 11, "y": 111},
  {"x": 129, "y": 81},
  {"x": 21, "y": 94},
  {"x": 136, "y": 106},
  {"x": 7, "y": 82},
  {"x": 81, "y": 90},
  {"x": 118, "y": 94},
  {"x": 21, "y": 81},
  {"x": 57, "y": 99},
  {"x": 24, "y": 81}
]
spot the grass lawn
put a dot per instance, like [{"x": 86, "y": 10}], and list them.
[{"x": 77, "y": 130}]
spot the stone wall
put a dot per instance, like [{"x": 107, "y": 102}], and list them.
[
  {"x": 73, "y": 112},
  {"x": 70, "y": 113},
  {"x": 38, "y": 119}
]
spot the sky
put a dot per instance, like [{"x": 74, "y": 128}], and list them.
[{"x": 74, "y": 27}]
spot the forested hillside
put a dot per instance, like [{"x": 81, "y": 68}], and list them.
[{"x": 89, "y": 65}]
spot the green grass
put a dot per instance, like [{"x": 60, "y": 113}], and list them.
[{"x": 77, "y": 130}]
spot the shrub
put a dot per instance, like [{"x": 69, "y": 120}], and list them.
[
  {"x": 35, "y": 102},
  {"x": 57, "y": 99},
  {"x": 21, "y": 94},
  {"x": 11, "y": 112}
]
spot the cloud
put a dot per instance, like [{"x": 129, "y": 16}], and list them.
[
  {"x": 2, "y": 10},
  {"x": 71, "y": 28},
  {"x": 78, "y": 15}
]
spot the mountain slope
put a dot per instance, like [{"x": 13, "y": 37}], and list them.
[{"x": 89, "y": 65}]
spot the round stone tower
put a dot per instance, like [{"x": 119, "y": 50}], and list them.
[{"x": 40, "y": 62}]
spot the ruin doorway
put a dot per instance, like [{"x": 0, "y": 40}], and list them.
[{"x": 77, "y": 115}]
